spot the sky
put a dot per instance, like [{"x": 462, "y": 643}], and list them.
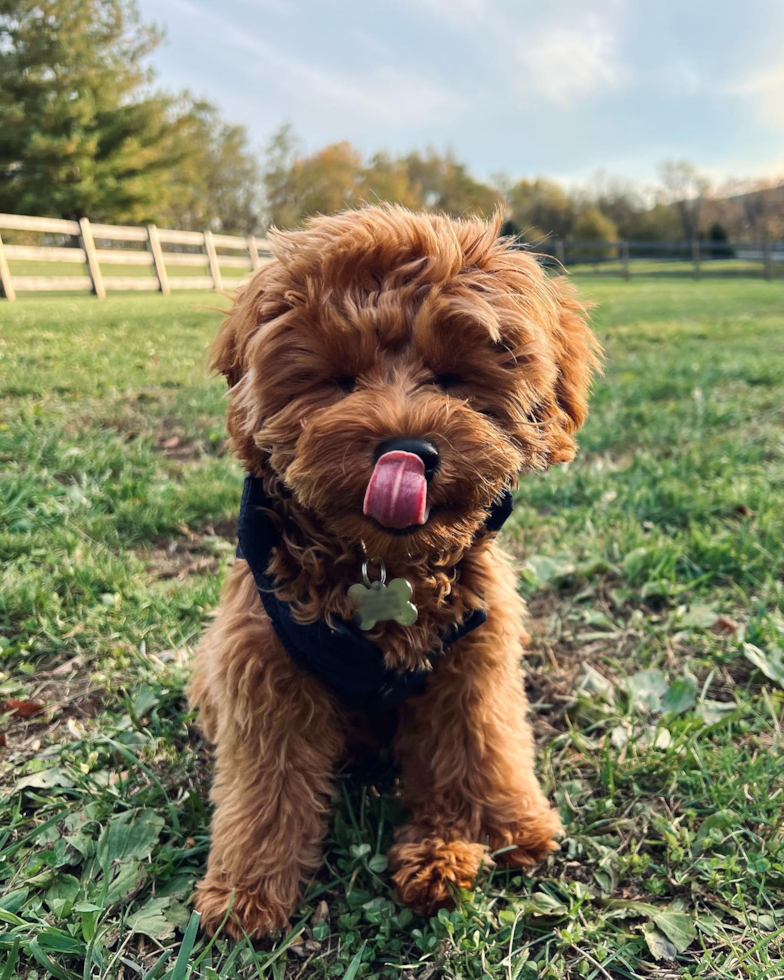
[{"x": 559, "y": 89}]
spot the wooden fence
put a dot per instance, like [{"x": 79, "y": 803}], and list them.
[
  {"x": 225, "y": 260},
  {"x": 698, "y": 259},
  {"x": 96, "y": 247}
]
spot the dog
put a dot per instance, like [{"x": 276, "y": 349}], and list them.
[{"x": 391, "y": 376}]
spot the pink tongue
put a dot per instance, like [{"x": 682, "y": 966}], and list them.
[{"x": 396, "y": 495}]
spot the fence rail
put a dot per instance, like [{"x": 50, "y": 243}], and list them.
[
  {"x": 225, "y": 260},
  {"x": 169, "y": 255},
  {"x": 699, "y": 259}
]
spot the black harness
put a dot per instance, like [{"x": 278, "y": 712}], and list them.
[{"x": 339, "y": 654}]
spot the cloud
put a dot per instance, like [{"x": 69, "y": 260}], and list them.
[
  {"x": 456, "y": 13},
  {"x": 567, "y": 64},
  {"x": 385, "y": 93},
  {"x": 766, "y": 91}
]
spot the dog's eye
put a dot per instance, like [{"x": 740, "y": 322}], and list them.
[
  {"x": 447, "y": 381},
  {"x": 346, "y": 383}
]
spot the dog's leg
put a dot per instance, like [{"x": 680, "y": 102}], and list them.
[
  {"x": 466, "y": 749},
  {"x": 277, "y": 739}
]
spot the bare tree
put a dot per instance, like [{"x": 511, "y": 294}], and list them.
[{"x": 685, "y": 189}]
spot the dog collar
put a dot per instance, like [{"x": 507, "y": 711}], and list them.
[{"x": 337, "y": 652}]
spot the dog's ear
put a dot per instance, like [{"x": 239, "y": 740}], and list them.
[
  {"x": 577, "y": 355},
  {"x": 227, "y": 354}
]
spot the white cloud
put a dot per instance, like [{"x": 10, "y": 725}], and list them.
[
  {"x": 765, "y": 90},
  {"x": 385, "y": 93},
  {"x": 566, "y": 64}
]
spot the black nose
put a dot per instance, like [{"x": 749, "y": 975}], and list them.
[{"x": 426, "y": 451}]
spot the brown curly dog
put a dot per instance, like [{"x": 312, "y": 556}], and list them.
[{"x": 391, "y": 376}]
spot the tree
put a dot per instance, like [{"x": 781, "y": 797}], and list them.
[
  {"x": 217, "y": 178},
  {"x": 387, "y": 179},
  {"x": 659, "y": 223},
  {"x": 297, "y": 187},
  {"x": 280, "y": 206},
  {"x": 720, "y": 247},
  {"x": 336, "y": 177},
  {"x": 592, "y": 226},
  {"x": 619, "y": 200},
  {"x": 77, "y": 133},
  {"x": 686, "y": 190},
  {"x": 445, "y": 185},
  {"x": 541, "y": 208}
]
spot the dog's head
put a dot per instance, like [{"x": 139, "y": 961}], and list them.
[{"x": 397, "y": 371}]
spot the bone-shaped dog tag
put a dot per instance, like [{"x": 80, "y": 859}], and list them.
[{"x": 378, "y": 602}]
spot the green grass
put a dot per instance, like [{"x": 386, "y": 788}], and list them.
[
  {"x": 683, "y": 268},
  {"x": 653, "y": 567}
]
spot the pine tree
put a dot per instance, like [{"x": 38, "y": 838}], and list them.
[{"x": 79, "y": 132}]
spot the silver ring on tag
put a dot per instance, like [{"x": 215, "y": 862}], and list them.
[{"x": 382, "y": 568}]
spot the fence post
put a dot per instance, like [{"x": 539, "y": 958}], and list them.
[
  {"x": 559, "y": 252},
  {"x": 253, "y": 251},
  {"x": 6, "y": 285},
  {"x": 88, "y": 244},
  {"x": 627, "y": 272},
  {"x": 695, "y": 257},
  {"x": 158, "y": 259},
  {"x": 212, "y": 258},
  {"x": 767, "y": 259}
]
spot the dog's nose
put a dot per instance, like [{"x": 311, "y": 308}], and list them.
[{"x": 426, "y": 451}]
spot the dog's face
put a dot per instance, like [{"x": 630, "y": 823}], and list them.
[{"x": 397, "y": 372}]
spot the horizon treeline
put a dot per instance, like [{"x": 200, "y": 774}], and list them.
[{"x": 84, "y": 133}]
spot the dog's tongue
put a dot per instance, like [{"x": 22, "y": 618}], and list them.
[{"x": 396, "y": 495}]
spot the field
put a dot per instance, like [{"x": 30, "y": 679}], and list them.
[{"x": 653, "y": 567}]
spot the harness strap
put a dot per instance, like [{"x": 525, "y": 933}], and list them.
[{"x": 339, "y": 654}]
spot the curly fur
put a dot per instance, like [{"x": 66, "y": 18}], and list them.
[{"x": 371, "y": 324}]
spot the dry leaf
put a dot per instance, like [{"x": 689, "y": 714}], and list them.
[
  {"x": 22, "y": 709},
  {"x": 724, "y": 625}
]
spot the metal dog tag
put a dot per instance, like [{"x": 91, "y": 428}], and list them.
[{"x": 378, "y": 602}]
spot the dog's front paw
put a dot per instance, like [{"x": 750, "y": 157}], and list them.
[
  {"x": 428, "y": 872},
  {"x": 252, "y": 913},
  {"x": 530, "y": 841}
]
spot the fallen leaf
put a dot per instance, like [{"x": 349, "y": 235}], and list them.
[
  {"x": 771, "y": 664},
  {"x": 46, "y": 779},
  {"x": 677, "y": 926},
  {"x": 68, "y": 666},
  {"x": 659, "y": 945},
  {"x": 646, "y": 689},
  {"x": 680, "y": 695},
  {"x": 724, "y": 625},
  {"x": 2, "y": 740},
  {"x": 699, "y": 617},
  {"x": 592, "y": 682},
  {"x": 712, "y": 712},
  {"x": 22, "y": 709}
]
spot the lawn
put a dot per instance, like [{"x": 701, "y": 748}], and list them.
[{"x": 653, "y": 569}]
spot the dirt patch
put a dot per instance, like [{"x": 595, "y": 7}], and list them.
[
  {"x": 69, "y": 701},
  {"x": 226, "y": 528},
  {"x": 176, "y": 444},
  {"x": 179, "y": 559}
]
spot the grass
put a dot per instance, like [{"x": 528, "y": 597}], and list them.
[{"x": 653, "y": 567}]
